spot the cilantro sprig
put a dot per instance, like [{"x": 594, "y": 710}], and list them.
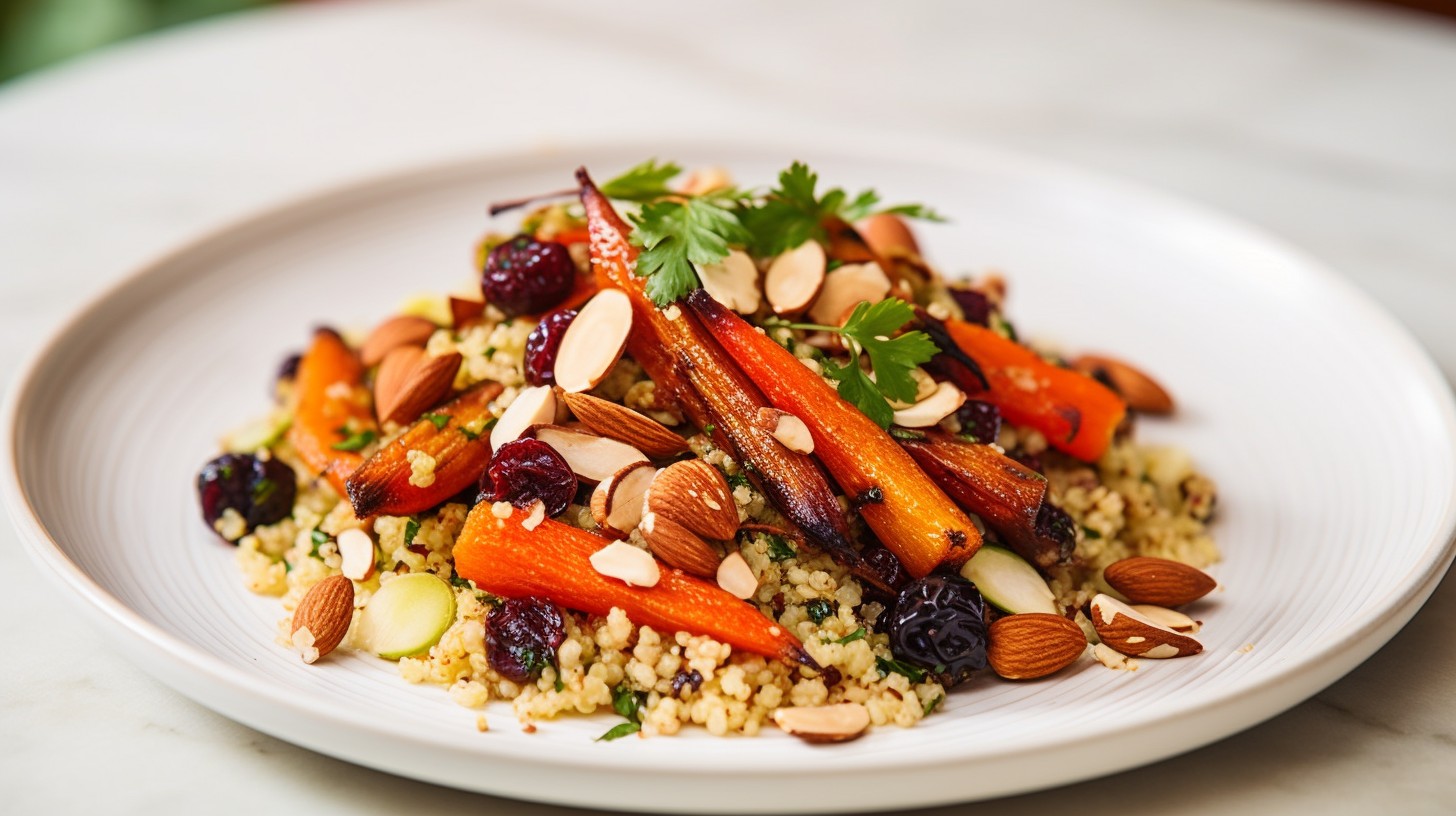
[
  {"x": 870, "y": 330},
  {"x": 794, "y": 212}
]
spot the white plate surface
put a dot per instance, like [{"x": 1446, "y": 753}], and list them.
[{"x": 1331, "y": 436}]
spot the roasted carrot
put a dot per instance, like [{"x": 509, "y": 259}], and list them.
[
  {"x": 332, "y": 405},
  {"x": 912, "y": 517},
  {"x": 552, "y": 560},
  {"x": 712, "y": 390},
  {"x": 1077, "y": 414},
  {"x": 455, "y": 436},
  {"x": 1007, "y": 495}
]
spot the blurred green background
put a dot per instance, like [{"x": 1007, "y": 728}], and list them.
[{"x": 36, "y": 33}]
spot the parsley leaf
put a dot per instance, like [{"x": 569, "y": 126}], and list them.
[
  {"x": 886, "y": 667},
  {"x": 354, "y": 441},
  {"x": 779, "y": 549},
  {"x": 319, "y": 538},
  {"x": 674, "y": 235},
  {"x": 645, "y": 182},
  {"x": 438, "y": 420},
  {"x": 934, "y": 703},
  {"x": 411, "y": 529},
  {"x": 794, "y": 212},
  {"x": 620, "y": 730},
  {"x": 857, "y": 634},
  {"x": 859, "y": 390},
  {"x": 627, "y": 702}
]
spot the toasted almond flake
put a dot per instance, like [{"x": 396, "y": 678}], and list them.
[
  {"x": 532, "y": 406},
  {"x": 356, "y": 550},
  {"x": 939, "y": 405},
  {"x": 1113, "y": 659},
  {"x": 631, "y": 565},
  {"x": 788, "y": 429},
  {"x": 617, "y": 501},
  {"x": 594, "y": 341},
  {"x": 847, "y": 287},
  {"x": 589, "y": 456},
  {"x": 1168, "y": 618},
  {"x": 794, "y": 278},
  {"x": 840, "y": 722},
  {"x": 888, "y": 235},
  {"x": 732, "y": 281},
  {"x": 535, "y": 517},
  {"x": 736, "y": 577},
  {"x": 1126, "y": 630}
]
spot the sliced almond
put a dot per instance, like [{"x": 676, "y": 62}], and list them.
[
  {"x": 1141, "y": 392},
  {"x": 1168, "y": 618},
  {"x": 694, "y": 494},
  {"x": 794, "y": 278},
  {"x": 940, "y": 404},
  {"x": 409, "y": 382},
  {"x": 594, "y": 341},
  {"x": 464, "y": 311},
  {"x": 356, "y": 549},
  {"x": 888, "y": 235},
  {"x": 840, "y": 722},
  {"x": 678, "y": 546},
  {"x": 732, "y": 281},
  {"x": 589, "y": 456},
  {"x": 847, "y": 287},
  {"x": 1158, "y": 581},
  {"x": 788, "y": 429},
  {"x": 631, "y": 565},
  {"x": 617, "y": 502},
  {"x": 1123, "y": 628},
  {"x": 400, "y": 330},
  {"x": 616, "y": 421},
  {"x": 736, "y": 578},
  {"x": 1032, "y": 645},
  {"x": 325, "y": 611},
  {"x": 532, "y": 406}
]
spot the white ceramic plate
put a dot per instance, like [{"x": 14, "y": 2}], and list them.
[{"x": 1330, "y": 434}]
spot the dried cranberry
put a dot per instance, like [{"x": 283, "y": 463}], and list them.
[
  {"x": 521, "y": 637},
  {"x": 1055, "y": 527},
  {"x": 525, "y": 275},
  {"x": 692, "y": 679},
  {"x": 974, "y": 305},
  {"x": 262, "y": 492},
  {"x": 939, "y": 624},
  {"x": 288, "y": 369},
  {"x": 526, "y": 470},
  {"x": 980, "y": 421},
  {"x": 542, "y": 344}
]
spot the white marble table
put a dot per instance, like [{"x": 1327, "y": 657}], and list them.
[{"x": 1328, "y": 124}]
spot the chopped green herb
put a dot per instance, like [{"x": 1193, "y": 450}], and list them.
[
  {"x": 645, "y": 182},
  {"x": 355, "y": 441},
  {"x": 620, "y": 730},
  {"x": 1091, "y": 533},
  {"x": 469, "y": 434},
  {"x": 411, "y": 529},
  {"x": 438, "y": 420},
  {"x": 779, "y": 549},
  {"x": 738, "y": 480},
  {"x": 709, "y": 428},
  {"x": 319, "y": 538},
  {"x": 489, "y": 352},
  {"x": 857, "y": 634},
  {"x": 819, "y": 610},
  {"x": 886, "y": 667},
  {"x": 459, "y": 582},
  {"x": 934, "y": 703},
  {"x": 560, "y": 686},
  {"x": 627, "y": 702}
]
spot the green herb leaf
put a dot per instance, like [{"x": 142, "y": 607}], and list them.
[
  {"x": 819, "y": 610},
  {"x": 620, "y": 730},
  {"x": 438, "y": 420},
  {"x": 892, "y": 358},
  {"x": 355, "y": 441},
  {"x": 934, "y": 703},
  {"x": 856, "y": 387},
  {"x": 674, "y": 235},
  {"x": 779, "y": 549},
  {"x": 918, "y": 211},
  {"x": 794, "y": 212},
  {"x": 857, "y": 634},
  {"x": 886, "y": 667},
  {"x": 709, "y": 428},
  {"x": 319, "y": 538},
  {"x": 627, "y": 702},
  {"x": 560, "y": 685},
  {"x": 645, "y": 182},
  {"x": 411, "y": 529}
]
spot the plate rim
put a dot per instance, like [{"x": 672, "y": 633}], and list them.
[{"x": 1260, "y": 699}]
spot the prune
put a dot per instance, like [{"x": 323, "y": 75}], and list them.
[
  {"x": 526, "y": 470},
  {"x": 981, "y": 421},
  {"x": 939, "y": 624},
  {"x": 521, "y": 637},
  {"x": 525, "y": 275},
  {"x": 881, "y": 570},
  {"x": 260, "y": 491},
  {"x": 542, "y": 344}
]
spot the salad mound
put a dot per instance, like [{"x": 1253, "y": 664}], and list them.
[{"x": 742, "y": 456}]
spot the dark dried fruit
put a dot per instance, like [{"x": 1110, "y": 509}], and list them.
[
  {"x": 1054, "y": 526},
  {"x": 883, "y": 573},
  {"x": 262, "y": 492},
  {"x": 974, "y": 305},
  {"x": 689, "y": 679},
  {"x": 521, "y": 637},
  {"x": 980, "y": 421},
  {"x": 542, "y": 344},
  {"x": 939, "y": 624},
  {"x": 524, "y": 275},
  {"x": 288, "y": 369},
  {"x": 526, "y": 470}
]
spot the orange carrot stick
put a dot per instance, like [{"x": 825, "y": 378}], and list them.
[
  {"x": 912, "y": 517},
  {"x": 552, "y": 560},
  {"x": 454, "y": 435},
  {"x": 1077, "y": 414},
  {"x": 330, "y": 402}
]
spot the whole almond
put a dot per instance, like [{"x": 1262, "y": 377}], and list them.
[
  {"x": 616, "y": 421},
  {"x": 1033, "y": 644},
  {"x": 1122, "y": 628},
  {"x": 694, "y": 494},
  {"x": 1138, "y": 390},
  {"x": 1158, "y": 581},
  {"x": 418, "y": 384},
  {"x": 400, "y": 330},
  {"x": 326, "y": 610},
  {"x": 679, "y": 547}
]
